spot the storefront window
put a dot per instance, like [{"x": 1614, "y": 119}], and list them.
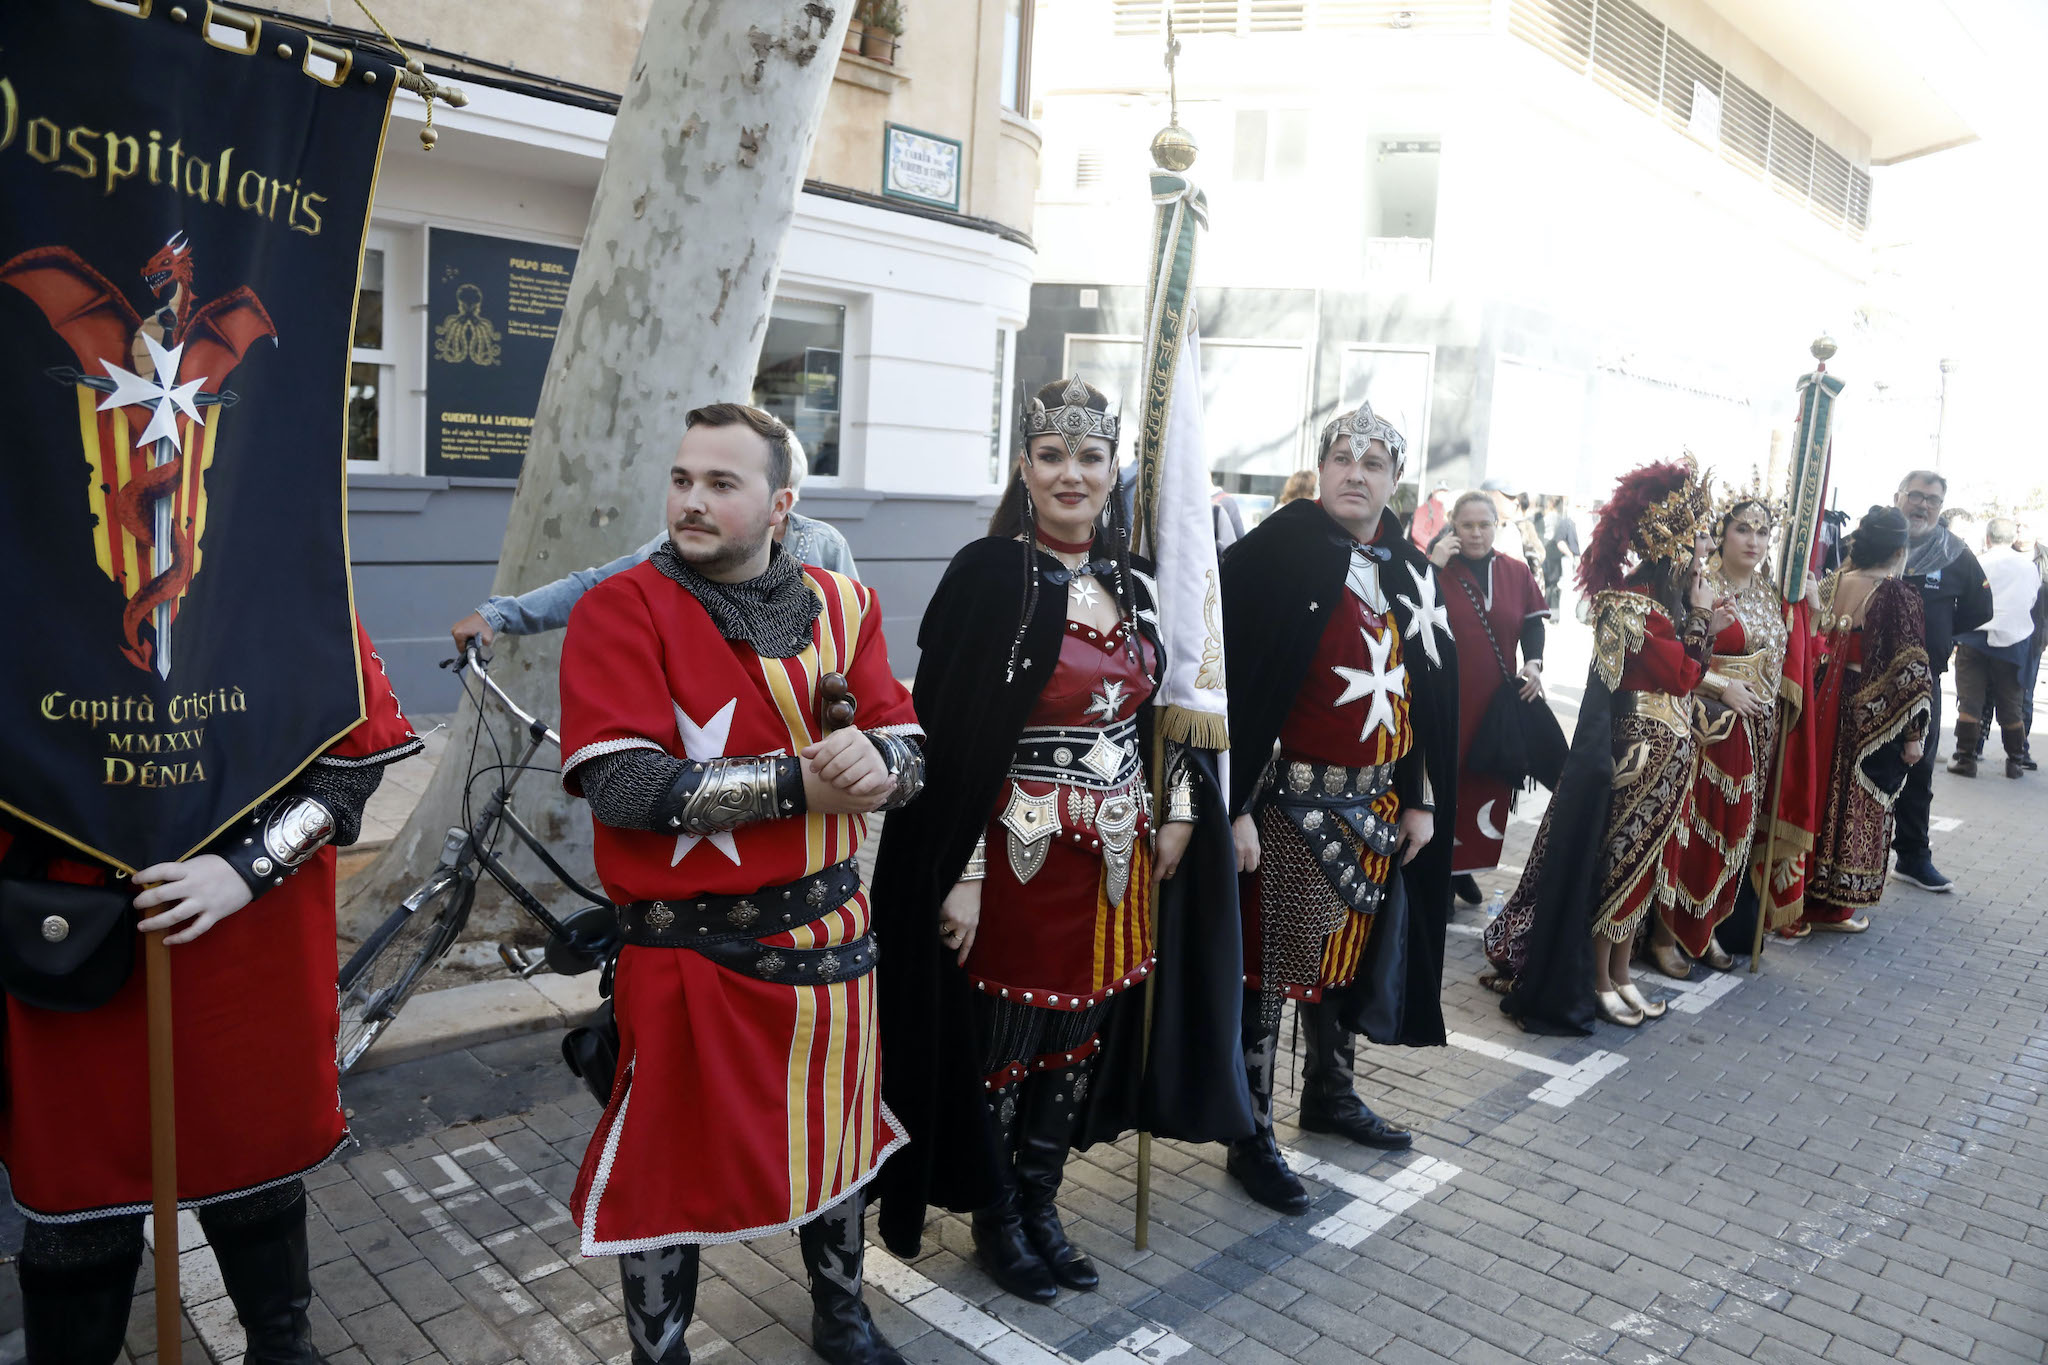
[
  {"x": 369, "y": 369},
  {"x": 799, "y": 379}
]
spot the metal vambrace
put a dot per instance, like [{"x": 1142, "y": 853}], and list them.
[
  {"x": 725, "y": 793},
  {"x": 904, "y": 758},
  {"x": 275, "y": 843},
  {"x": 1180, "y": 786}
]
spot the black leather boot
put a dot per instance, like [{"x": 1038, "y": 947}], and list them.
[
  {"x": 1255, "y": 1162},
  {"x": 1045, "y": 1130},
  {"x": 1328, "y": 1103},
  {"x": 661, "y": 1296},
  {"x": 999, "y": 1240},
  {"x": 263, "y": 1264},
  {"x": 76, "y": 1315},
  {"x": 841, "y": 1330}
]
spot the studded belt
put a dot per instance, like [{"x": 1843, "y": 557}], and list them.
[
  {"x": 1298, "y": 782},
  {"x": 706, "y": 922},
  {"x": 794, "y": 966},
  {"x": 1079, "y": 755}
]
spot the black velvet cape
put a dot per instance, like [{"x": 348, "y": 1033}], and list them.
[
  {"x": 1554, "y": 992},
  {"x": 1280, "y": 584},
  {"x": 1194, "y": 1086}
]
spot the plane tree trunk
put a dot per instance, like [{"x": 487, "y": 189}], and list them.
[{"x": 666, "y": 312}]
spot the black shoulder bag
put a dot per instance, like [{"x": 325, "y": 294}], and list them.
[
  {"x": 1517, "y": 740},
  {"x": 62, "y": 946}
]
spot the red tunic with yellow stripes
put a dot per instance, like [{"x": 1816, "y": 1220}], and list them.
[
  {"x": 1328, "y": 810},
  {"x": 742, "y": 1106},
  {"x": 253, "y": 1048},
  {"x": 1063, "y": 926}
]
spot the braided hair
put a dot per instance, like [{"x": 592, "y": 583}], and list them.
[{"x": 1016, "y": 517}]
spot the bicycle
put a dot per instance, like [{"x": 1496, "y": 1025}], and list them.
[{"x": 383, "y": 973}]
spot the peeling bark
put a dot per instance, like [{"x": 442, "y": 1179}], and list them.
[{"x": 672, "y": 238}]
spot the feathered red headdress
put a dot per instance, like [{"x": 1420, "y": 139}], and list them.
[{"x": 1652, "y": 514}]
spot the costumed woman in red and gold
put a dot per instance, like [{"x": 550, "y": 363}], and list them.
[
  {"x": 1604, "y": 856},
  {"x": 1871, "y": 699},
  {"x": 1735, "y": 722},
  {"x": 1495, "y": 608},
  {"x": 1017, "y": 895},
  {"x": 251, "y": 942}
]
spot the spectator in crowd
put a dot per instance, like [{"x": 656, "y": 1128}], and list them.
[
  {"x": 1223, "y": 509},
  {"x": 1514, "y": 533},
  {"x": 1988, "y": 660},
  {"x": 1560, "y": 538},
  {"x": 1954, "y": 597},
  {"x": 546, "y": 608},
  {"x": 1431, "y": 519},
  {"x": 1300, "y": 484}
]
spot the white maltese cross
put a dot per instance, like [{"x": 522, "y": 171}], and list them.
[{"x": 1381, "y": 683}]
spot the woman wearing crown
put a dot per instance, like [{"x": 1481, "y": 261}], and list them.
[
  {"x": 1611, "y": 835},
  {"x": 1735, "y": 721},
  {"x": 1017, "y": 893}
]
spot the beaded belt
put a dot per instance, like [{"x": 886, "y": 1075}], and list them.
[
  {"x": 1079, "y": 755},
  {"x": 726, "y": 929}
]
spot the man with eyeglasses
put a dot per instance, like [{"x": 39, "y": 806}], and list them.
[{"x": 1956, "y": 597}]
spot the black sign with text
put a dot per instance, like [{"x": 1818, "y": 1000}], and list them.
[
  {"x": 181, "y": 229},
  {"x": 493, "y": 307}
]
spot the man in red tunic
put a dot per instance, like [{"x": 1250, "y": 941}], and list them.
[
  {"x": 252, "y": 971},
  {"x": 1343, "y": 728},
  {"x": 728, "y": 815}
]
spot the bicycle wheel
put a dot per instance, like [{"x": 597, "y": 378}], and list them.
[{"x": 376, "y": 982}]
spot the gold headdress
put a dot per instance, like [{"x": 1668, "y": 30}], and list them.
[
  {"x": 1757, "y": 492},
  {"x": 1667, "y": 527}
]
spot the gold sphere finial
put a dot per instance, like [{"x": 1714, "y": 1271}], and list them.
[
  {"x": 1823, "y": 348},
  {"x": 1173, "y": 148},
  {"x": 428, "y": 137},
  {"x": 416, "y": 66}
]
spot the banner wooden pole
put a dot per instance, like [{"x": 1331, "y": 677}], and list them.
[
  {"x": 1141, "y": 1236},
  {"x": 163, "y": 1145},
  {"x": 1764, "y": 899}
]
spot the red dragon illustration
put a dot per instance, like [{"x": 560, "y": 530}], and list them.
[{"x": 97, "y": 321}]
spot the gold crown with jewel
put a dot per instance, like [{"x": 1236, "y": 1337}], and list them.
[{"x": 1667, "y": 529}]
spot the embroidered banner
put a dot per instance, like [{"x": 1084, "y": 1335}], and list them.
[
  {"x": 1175, "y": 525},
  {"x": 1806, "y": 500},
  {"x": 181, "y": 227}
]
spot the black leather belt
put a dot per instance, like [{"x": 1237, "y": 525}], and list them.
[
  {"x": 708, "y": 921},
  {"x": 1104, "y": 758},
  {"x": 795, "y": 966}
]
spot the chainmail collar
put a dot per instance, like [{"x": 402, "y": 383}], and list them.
[{"x": 773, "y": 613}]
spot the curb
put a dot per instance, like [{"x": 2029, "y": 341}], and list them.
[{"x": 482, "y": 1012}]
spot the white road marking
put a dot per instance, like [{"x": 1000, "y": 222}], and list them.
[
  {"x": 1568, "y": 1080},
  {"x": 1374, "y": 1203},
  {"x": 989, "y": 1335}
]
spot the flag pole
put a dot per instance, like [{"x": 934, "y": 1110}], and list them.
[{"x": 163, "y": 1143}]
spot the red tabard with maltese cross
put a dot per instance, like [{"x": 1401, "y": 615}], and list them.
[{"x": 742, "y": 1106}]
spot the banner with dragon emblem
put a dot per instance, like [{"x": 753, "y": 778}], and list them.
[{"x": 182, "y": 215}]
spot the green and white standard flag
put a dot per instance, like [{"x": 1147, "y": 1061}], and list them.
[{"x": 1175, "y": 526}]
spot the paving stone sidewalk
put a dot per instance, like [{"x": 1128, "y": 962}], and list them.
[{"x": 1841, "y": 1160}]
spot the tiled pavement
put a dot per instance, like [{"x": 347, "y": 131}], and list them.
[{"x": 1841, "y": 1159}]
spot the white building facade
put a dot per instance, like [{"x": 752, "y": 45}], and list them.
[{"x": 1550, "y": 239}]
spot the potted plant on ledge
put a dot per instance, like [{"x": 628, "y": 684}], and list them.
[{"x": 881, "y": 25}]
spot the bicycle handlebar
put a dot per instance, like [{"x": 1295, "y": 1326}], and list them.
[{"x": 473, "y": 661}]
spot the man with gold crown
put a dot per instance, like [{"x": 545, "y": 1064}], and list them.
[
  {"x": 1344, "y": 741},
  {"x": 1605, "y": 855}
]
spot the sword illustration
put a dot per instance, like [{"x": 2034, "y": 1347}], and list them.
[{"x": 165, "y": 398}]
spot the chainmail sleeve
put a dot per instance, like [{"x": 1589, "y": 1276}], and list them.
[
  {"x": 346, "y": 793},
  {"x": 626, "y": 790}
]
